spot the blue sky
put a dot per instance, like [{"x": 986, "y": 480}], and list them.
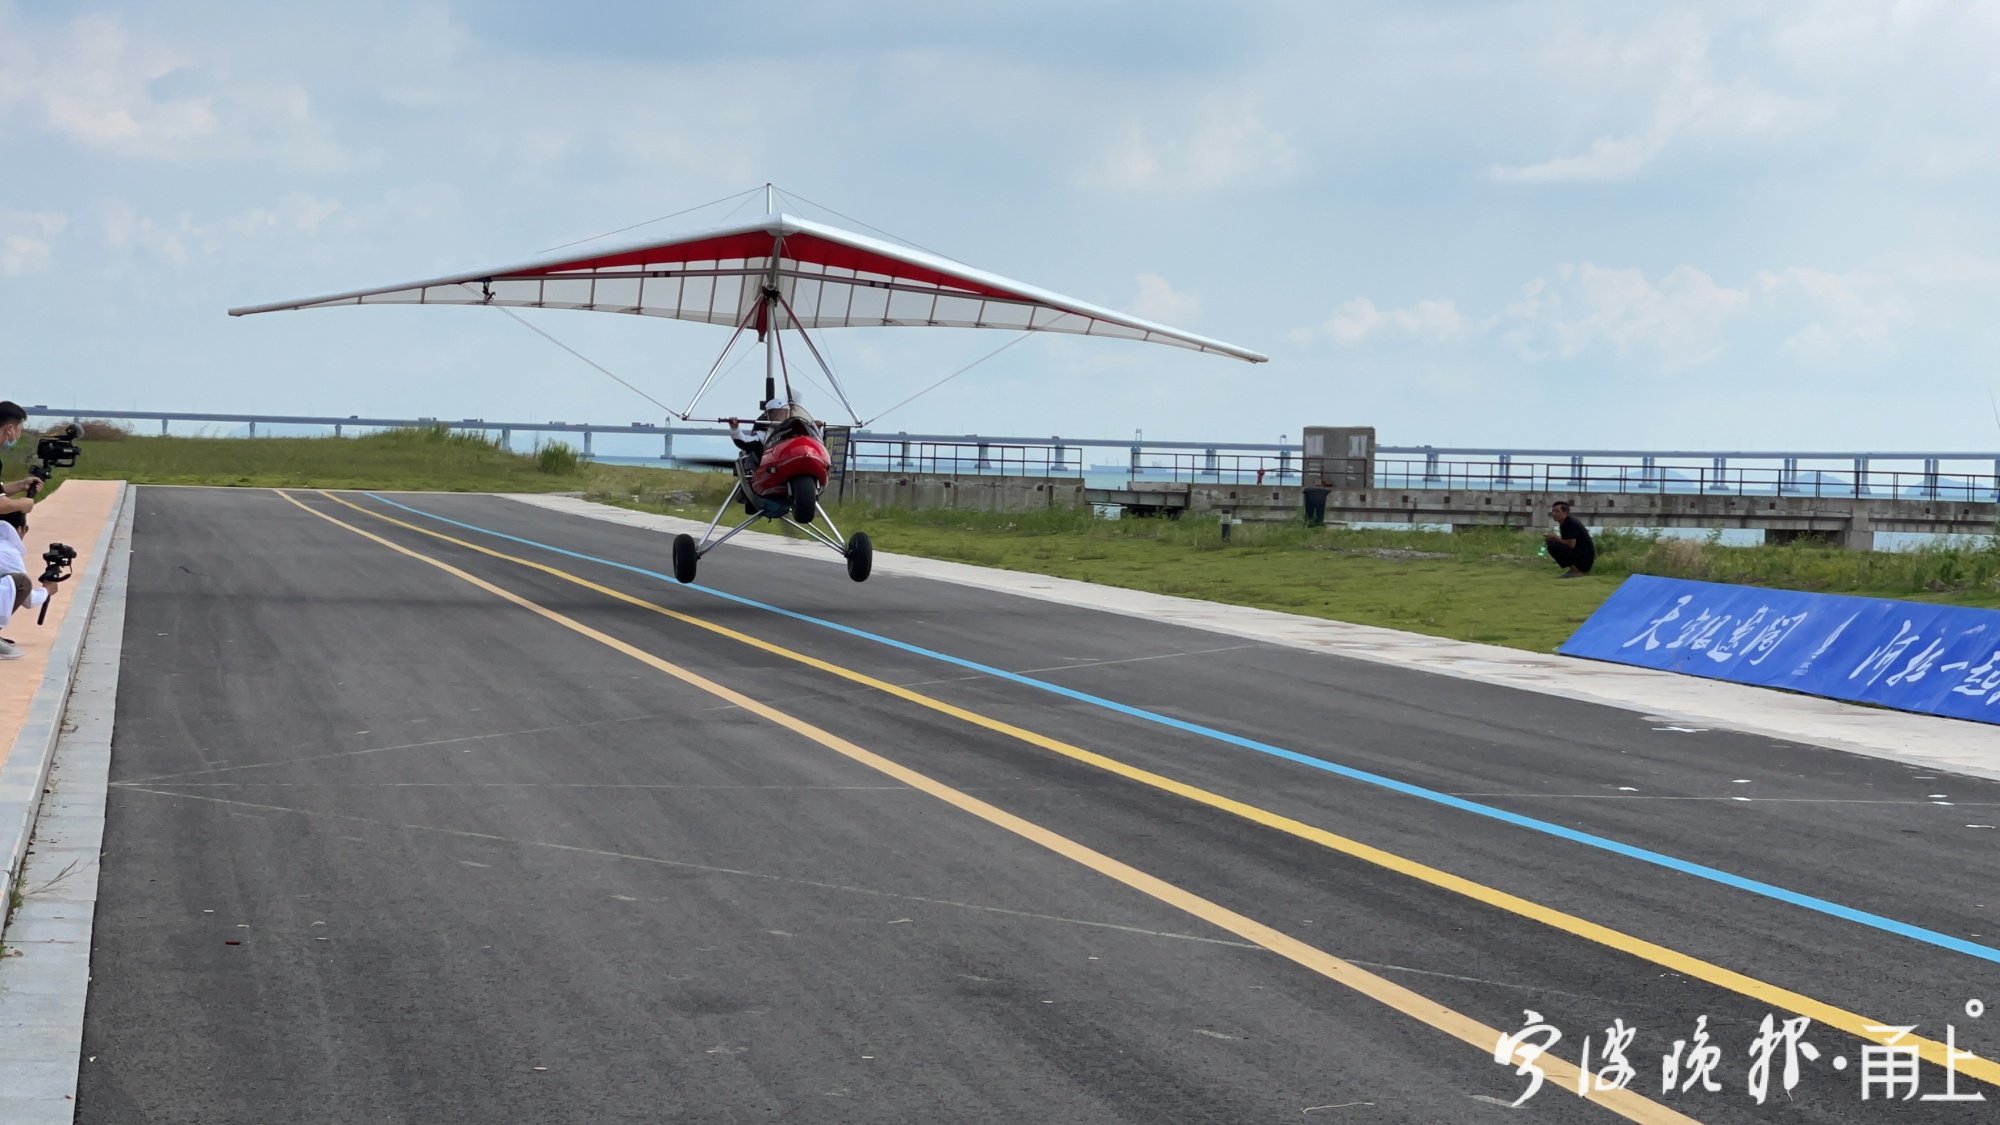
[{"x": 1727, "y": 226}]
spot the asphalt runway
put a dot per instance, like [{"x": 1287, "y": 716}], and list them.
[{"x": 418, "y": 829}]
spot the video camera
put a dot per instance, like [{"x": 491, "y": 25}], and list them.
[
  {"x": 56, "y": 563},
  {"x": 56, "y": 450}
]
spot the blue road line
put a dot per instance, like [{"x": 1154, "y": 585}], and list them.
[{"x": 1603, "y": 843}]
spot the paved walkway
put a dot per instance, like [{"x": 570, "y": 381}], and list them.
[
  {"x": 1935, "y": 743},
  {"x": 33, "y": 688},
  {"x": 77, "y": 514}
]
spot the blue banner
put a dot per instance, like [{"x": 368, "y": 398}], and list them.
[{"x": 1932, "y": 659}]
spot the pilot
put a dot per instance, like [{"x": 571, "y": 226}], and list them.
[{"x": 751, "y": 436}]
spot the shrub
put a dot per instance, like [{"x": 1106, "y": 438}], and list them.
[{"x": 557, "y": 458}]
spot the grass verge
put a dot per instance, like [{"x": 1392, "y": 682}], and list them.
[
  {"x": 1487, "y": 586},
  {"x": 1484, "y": 586},
  {"x": 425, "y": 460}
]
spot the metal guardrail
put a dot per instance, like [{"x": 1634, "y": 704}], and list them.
[
  {"x": 1972, "y": 477},
  {"x": 1864, "y": 482}
]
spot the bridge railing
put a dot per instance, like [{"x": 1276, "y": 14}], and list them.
[
  {"x": 1055, "y": 458},
  {"x": 1970, "y": 477},
  {"x": 1854, "y": 477},
  {"x": 1863, "y": 481}
]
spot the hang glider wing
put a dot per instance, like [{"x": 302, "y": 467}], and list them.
[{"x": 825, "y": 276}]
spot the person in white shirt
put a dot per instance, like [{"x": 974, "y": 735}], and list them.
[{"x": 17, "y": 591}]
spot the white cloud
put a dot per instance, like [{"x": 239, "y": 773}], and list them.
[
  {"x": 96, "y": 84},
  {"x": 1680, "y": 319},
  {"x": 1855, "y": 310},
  {"x": 1358, "y": 321},
  {"x": 1218, "y": 145},
  {"x": 25, "y": 240},
  {"x": 183, "y": 238},
  {"x": 1689, "y": 101},
  {"x": 1159, "y": 301}
]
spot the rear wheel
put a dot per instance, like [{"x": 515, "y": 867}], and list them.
[
  {"x": 686, "y": 555},
  {"x": 805, "y": 498},
  {"x": 860, "y": 557}
]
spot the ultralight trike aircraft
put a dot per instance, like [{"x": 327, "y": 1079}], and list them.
[{"x": 766, "y": 275}]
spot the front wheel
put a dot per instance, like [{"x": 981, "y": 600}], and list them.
[
  {"x": 805, "y": 498},
  {"x": 860, "y": 557},
  {"x": 686, "y": 555}
]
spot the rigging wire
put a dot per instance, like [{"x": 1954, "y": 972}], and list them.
[
  {"x": 859, "y": 223},
  {"x": 941, "y": 382},
  {"x": 661, "y": 219},
  {"x": 709, "y": 379},
  {"x": 518, "y": 319},
  {"x": 839, "y": 391}
]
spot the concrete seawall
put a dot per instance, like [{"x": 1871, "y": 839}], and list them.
[{"x": 1846, "y": 521}]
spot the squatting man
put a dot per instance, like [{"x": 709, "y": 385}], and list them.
[{"x": 1570, "y": 546}]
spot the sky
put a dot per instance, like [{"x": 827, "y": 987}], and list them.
[{"x": 1742, "y": 226}]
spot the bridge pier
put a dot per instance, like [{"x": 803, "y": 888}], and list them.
[{"x": 666, "y": 447}]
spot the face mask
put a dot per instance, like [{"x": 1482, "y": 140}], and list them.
[{"x": 9, "y": 443}]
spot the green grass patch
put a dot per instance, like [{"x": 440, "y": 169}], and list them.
[
  {"x": 430, "y": 459},
  {"x": 1488, "y": 585}
]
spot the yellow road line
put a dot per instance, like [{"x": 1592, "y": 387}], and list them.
[
  {"x": 1853, "y": 1023},
  {"x": 1561, "y": 1073}
]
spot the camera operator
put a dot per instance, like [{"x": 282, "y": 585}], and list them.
[
  {"x": 16, "y": 591},
  {"x": 14, "y": 494}
]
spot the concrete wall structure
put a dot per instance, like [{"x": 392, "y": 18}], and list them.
[
  {"x": 973, "y": 493},
  {"x": 1841, "y": 521}
]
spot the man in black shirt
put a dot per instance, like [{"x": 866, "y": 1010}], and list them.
[{"x": 1570, "y": 546}]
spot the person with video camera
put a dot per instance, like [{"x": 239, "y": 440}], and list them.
[
  {"x": 15, "y": 495},
  {"x": 16, "y": 590}
]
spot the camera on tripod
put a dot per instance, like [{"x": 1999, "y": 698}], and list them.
[{"x": 56, "y": 450}]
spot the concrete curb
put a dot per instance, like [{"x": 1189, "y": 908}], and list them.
[
  {"x": 27, "y": 769},
  {"x": 45, "y": 982}
]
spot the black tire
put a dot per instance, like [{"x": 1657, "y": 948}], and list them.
[
  {"x": 686, "y": 555},
  {"x": 860, "y": 557},
  {"x": 805, "y": 498}
]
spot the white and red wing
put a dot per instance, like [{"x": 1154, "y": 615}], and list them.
[{"x": 827, "y": 277}]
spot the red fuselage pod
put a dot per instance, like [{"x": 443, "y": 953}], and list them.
[{"x": 798, "y": 456}]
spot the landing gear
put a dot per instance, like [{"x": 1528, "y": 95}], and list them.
[
  {"x": 686, "y": 555},
  {"x": 860, "y": 557},
  {"x": 800, "y": 509}
]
